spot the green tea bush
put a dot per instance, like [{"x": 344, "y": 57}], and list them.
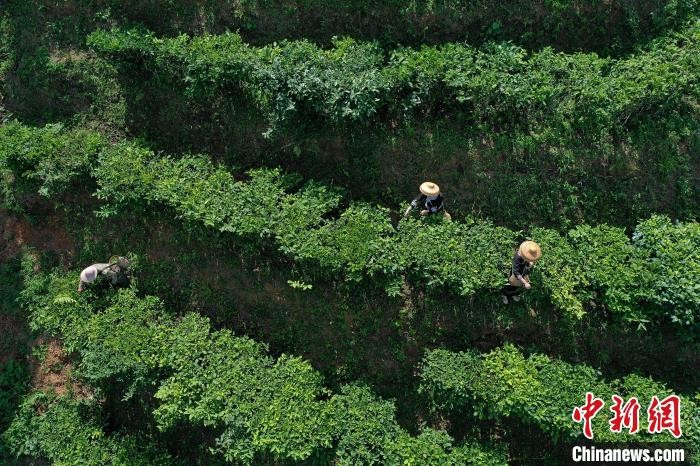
[
  {"x": 258, "y": 407},
  {"x": 360, "y": 240},
  {"x": 352, "y": 243},
  {"x": 606, "y": 27},
  {"x": 436, "y": 448},
  {"x": 45, "y": 74},
  {"x": 587, "y": 268},
  {"x": 262, "y": 405},
  {"x": 48, "y": 160},
  {"x": 669, "y": 278},
  {"x": 612, "y": 265},
  {"x": 561, "y": 274},
  {"x": 643, "y": 164},
  {"x": 540, "y": 391},
  {"x": 593, "y": 139},
  {"x": 343, "y": 83},
  {"x": 554, "y": 95},
  {"x": 369, "y": 435},
  {"x": 14, "y": 378},
  {"x": 66, "y": 431},
  {"x": 592, "y": 265}
]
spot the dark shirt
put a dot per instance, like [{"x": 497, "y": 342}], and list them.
[
  {"x": 521, "y": 267},
  {"x": 432, "y": 206}
]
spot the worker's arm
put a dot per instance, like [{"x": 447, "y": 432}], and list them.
[
  {"x": 418, "y": 200},
  {"x": 102, "y": 267}
]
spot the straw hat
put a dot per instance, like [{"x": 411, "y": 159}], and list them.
[
  {"x": 530, "y": 250},
  {"x": 88, "y": 275},
  {"x": 429, "y": 188}
]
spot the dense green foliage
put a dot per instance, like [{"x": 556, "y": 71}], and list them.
[
  {"x": 14, "y": 373},
  {"x": 541, "y": 391},
  {"x": 13, "y": 384},
  {"x": 43, "y": 82},
  {"x": 259, "y": 407},
  {"x": 592, "y": 139},
  {"x": 255, "y": 180},
  {"x": 547, "y": 92},
  {"x": 466, "y": 257},
  {"x": 598, "y": 265},
  {"x": 69, "y": 432},
  {"x": 613, "y": 26},
  {"x": 48, "y": 162}
]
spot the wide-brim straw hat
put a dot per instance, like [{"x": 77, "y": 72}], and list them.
[
  {"x": 530, "y": 251},
  {"x": 88, "y": 275},
  {"x": 429, "y": 188}
]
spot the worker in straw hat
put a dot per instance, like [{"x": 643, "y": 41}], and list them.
[
  {"x": 115, "y": 273},
  {"x": 430, "y": 199},
  {"x": 524, "y": 260}
]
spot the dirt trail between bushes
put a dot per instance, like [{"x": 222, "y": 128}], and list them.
[
  {"x": 47, "y": 234},
  {"x": 53, "y": 374}
]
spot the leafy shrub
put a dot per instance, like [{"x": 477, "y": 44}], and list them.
[
  {"x": 590, "y": 266},
  {"x": 672, "y": 266},
  {"x": 14, "y": 377},
  {"x": 263, "y": 405},
  {"x": 368, "y": 434},
  {"x": 611, "y": 27},
  {"x": 365, "y": 425},
  {"x": 593, "y": 139},
  {"x": 258, "y": 406},
  {"x": 433, "y": 447},
  {"x": 559, "y": 270},
  {"x": 48, "y": 160},
  {"x": 66, "y": 431},
  {"x": 537, "y": 390},
  {"x": 612, "y": 265},
  {"x": 553, "y": 94}
]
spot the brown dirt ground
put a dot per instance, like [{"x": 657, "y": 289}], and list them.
[
  {"x": 54, "y": 373},
  {"x": 47, "y": 235}
]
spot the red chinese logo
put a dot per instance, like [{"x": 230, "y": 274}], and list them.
[
  {"x": 624, "y": 416},
  {"x": 587, "y": 412},
  {"x": 665, "y": 415},
  {"x": 662, "y": 415}
]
